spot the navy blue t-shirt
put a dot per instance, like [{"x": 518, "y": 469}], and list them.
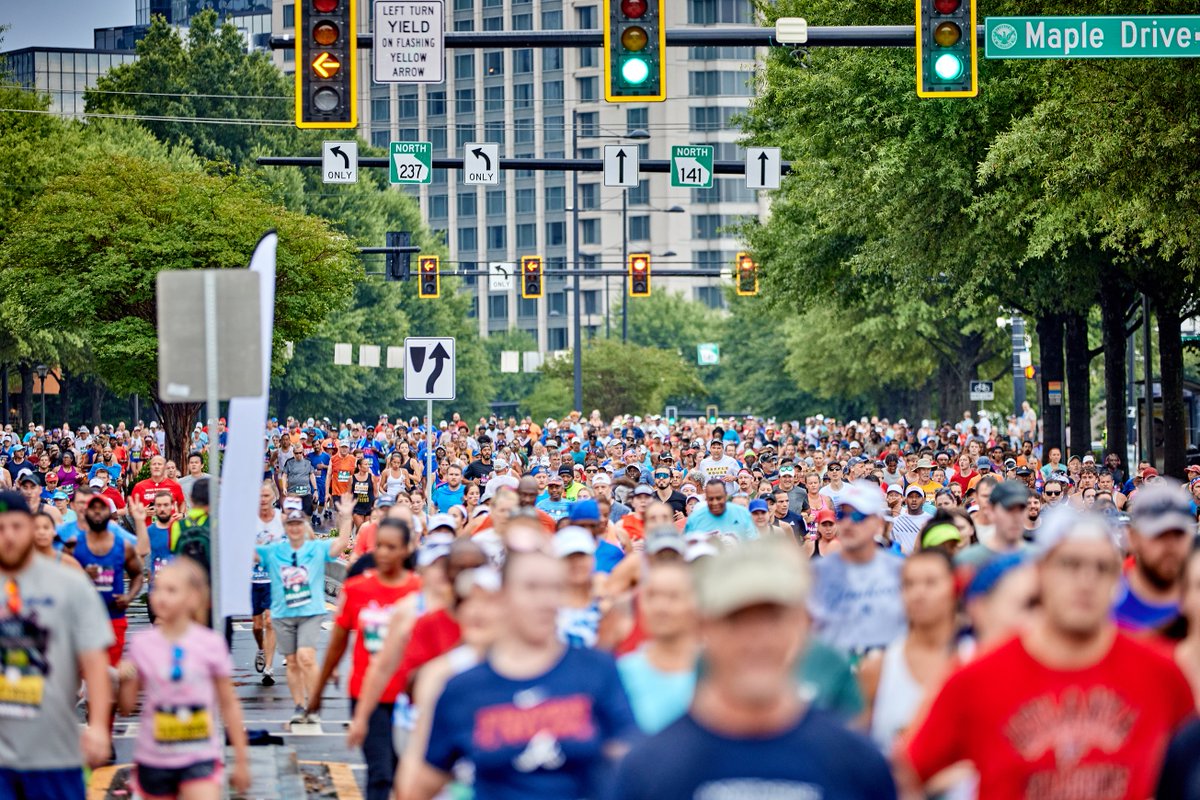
[
  {"x": 542, "y": 737},
  {"x": 815, "y": 758}
]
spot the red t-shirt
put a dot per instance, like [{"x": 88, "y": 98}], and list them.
[
  {"x": 112, "y": 494},
  {"x": 147, "y": 489},
  {"x": 365, "y": 541},
  {"x": 366, "y": 608},
  {"x": 964, "y": 481},
  {"x": 434, "y": 634},
  {"x": 1032, "y": 731}
]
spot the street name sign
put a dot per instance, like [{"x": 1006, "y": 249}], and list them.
[
  {"x": 410, "y": 41},
  {"x": 1151, "y": 36},
  {"x": 339, "y": 162},
  {"x": 764, "y": 167},
  {"x": 481, "y": 164},
  {"x": 620, "y": 165},
  {"x": 692, "y": 166},
  {"x": 410, "y": 162},
  {"x": 983, "y": 390},
  {"x": 429, "y": 368}
]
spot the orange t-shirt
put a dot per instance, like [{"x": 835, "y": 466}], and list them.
[{"x": 340, "y": 470}]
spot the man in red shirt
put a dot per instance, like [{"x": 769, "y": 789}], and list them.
[
  {"x": 158, "y": 482},
  {"x": 1070, "y": 708}
]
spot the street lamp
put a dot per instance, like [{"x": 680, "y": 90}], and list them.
[{"x": 42, "y": 371}]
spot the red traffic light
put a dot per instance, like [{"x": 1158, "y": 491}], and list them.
[
  {"x": 634, "y": 9},
  {"x": 946, "y": 6},
  {"x": 638, "y": 265},
  {"x": 325, "y": 6}
]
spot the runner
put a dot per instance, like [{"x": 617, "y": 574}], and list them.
[
  {"x": 1187, "y": 651},
  {"x": 1055, "y": 707},
  {"x": 300, "y": 480},
  {"x": 296, "y": 567},
  {"x": 908, "y": 524},
  {"x": 158, "y": 481},
  {"x": 158, "y": 532},
  {"x": 719, "y": 515},
  {"x": 195, "y": 471},
  {"x": 748, "y": 722},
  {"x": 268, "y": 531},
  {"x": 54, "y": 633},
  {"x": 1162, "y": 531},
  {"x": 579, "y": 615},
  {"x": 182, "y": 672},
  {"x": 362, "y": 489},
  {"x": 1007, "y": 503},
  {"x": 45, "y": 537}
]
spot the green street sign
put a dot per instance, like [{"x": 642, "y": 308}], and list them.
[
  {"x": 1152, "y": 36},
  {"x": 708, "y": 354},
  {"x": 410, "y": 162},
  {"x": 692, "y": 166}
]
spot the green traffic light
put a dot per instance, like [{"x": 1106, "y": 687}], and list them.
[
  {"x": 948, "y": 67},
  {"x": 635, "y": 71}
]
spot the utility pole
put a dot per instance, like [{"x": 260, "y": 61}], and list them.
[{"x": 577, "y": 347}]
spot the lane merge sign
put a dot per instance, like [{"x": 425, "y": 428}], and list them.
[
  {"x": 692, "y": 166},
  {"x": 410, "y": 41},
  {"x": 410, "y": 162}
]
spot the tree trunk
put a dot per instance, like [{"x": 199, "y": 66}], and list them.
[
  {"x": 1050, "y": 337},
  {"x": 176, "y": 420},
  {"x": 97, "y": 402},
  {"x": 1114, "y": 300},
  {"x": 64, "y": 396},
  {"x": 25, "y": 370},
  {"x": 1170, "y": 365},
  {"x": 1079, "y": 384},
  {"x": 7, "y": 418},
  {"x": 282, "y": 401}
]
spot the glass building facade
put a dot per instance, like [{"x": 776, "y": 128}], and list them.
[{"x": 62, "y": 73}]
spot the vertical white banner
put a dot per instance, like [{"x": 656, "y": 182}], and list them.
[{"x": 241, "y": 475}]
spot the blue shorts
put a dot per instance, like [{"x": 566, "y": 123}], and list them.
[
  {"x": 260, "y": 598},
  {"x": 163, "y": 782},
  {"x": 42, "y": 784}
]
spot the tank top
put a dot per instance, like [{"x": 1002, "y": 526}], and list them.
[
  {"x": 896, "y": 698},
  {"x": 395, "y": 486},
  {"x": 110, "y": 582}
]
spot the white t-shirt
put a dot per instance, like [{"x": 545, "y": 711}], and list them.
[
  {"x": 725, "y": 468},
  {"x": 834, "y": 495}
]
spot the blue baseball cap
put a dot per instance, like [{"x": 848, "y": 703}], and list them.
[
  {"x": 585, "y": 511},
  {"x": 758, "y": 505}
]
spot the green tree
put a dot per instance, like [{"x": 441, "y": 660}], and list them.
[
  {"x": 85, "y": 254},
  {"x": 670, "y": 321},
  {"x": 510, "y": 389}
]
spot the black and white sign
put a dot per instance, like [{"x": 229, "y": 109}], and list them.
[
  {"x": 982, "y": 390},
  {"x": 339, "y": 162},
  {"x": 620, "y": 165},
  {"x": 764, "y": 166},
  {"x": 481, "y": 164},
  {"x": 410, "y": 41},
  {"x": 500, "y": 276},
  {"x": 429, "y": 368}
]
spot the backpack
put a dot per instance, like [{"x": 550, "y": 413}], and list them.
[{"x": 189, "y": 537}]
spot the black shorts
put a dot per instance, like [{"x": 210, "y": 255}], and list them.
[
  {"x": 161, "y": 782},
  {"x": 306, "y": 503},
  {"x": 260, "y": 598}
]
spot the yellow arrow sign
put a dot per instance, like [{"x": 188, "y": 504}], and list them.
[{"x": 326, "y": 65}]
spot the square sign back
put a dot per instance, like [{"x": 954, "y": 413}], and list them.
[{"x": 410, "y": 41}]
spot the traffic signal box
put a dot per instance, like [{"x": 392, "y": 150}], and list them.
[
  {"x": 747, "y": 275},
  {"x": 635, "y": 45},
  {"x": 430, "y": 278},
  {"x": 639, "y": 275},
  {"x": 946, "y": 52},
  {"x": 326, "y": 44},
  {"x": 531, "y": 277}
]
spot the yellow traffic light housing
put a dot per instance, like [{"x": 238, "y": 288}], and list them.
[
  {"x": 429, "y": 278},
  {"x": 639, "y": 275},
  {"x": 531, "y": 277},
  {"x": 326, "y": 64},
  {"x": 746, "y": 280}
]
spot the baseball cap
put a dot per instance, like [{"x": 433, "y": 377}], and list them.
[
  {"x": 865, "y": 498},
  {"x": 565, "y": 470},
  {"x": 60, "y": 495},
  {"x": 97, "y": 483},
  {"x": 13, "y": 501},
  {"x": 586, "y": 510},
  {"x": 430, "y": 552},
  {"x": 573, "y": 540},
  {"x": 294, "y": 515},
  {"x": 442, "y": 521},
  {"x": 914, "y": 489},
  {"x": 665, "y": 537},
  {"x": 1010, "y": 494},
  {"x": 1089, "y": 459},
  {"x": 1160, "y": 507},
  {"x": 698, "y": 550},
  {"x": 988, "y": 576},
  {"x": 1011, "y": 463},
  {"x": 826, "y": 515},
  {"x": 554, "y": 479},
  {"x": 1065, "y": 523},
  {"x": 983, "y": 462},
  {"x": 28, "y": 476},
  {"x": 642, "y": 489},
  {"x": 293, "y": 504},
  {"x": 385, "y": 501},
  {"x": 752, "y": 574},
  {"x": 758, "y": 505},
  {"x": 496, "y": 484}
]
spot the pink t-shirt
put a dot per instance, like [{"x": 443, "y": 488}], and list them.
[{"x": 178, "y": 725}]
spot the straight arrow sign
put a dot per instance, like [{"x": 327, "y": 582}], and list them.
[
  {"x": 764, "y": 166},
  {"x": 620, "y": 165}
]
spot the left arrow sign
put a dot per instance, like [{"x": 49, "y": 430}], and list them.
[{"x": 326, "y": 65}]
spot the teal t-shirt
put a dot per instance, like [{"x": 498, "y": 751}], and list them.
[
  {"x": 658, "y": 698},
  {"x": 297, "y": 577}
]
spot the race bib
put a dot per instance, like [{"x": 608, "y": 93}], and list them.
[
  {"x": 182, "y": 725},
  {"x": 374, "y": 623},
  {"x": 104, "y": 580},
  {"x": 159, "y": 563},
  {"x": 259, "y": 575},
  {"x": 300, "y": 491},
  {"x": 296, "y": 589},
  {"x": 343, "y": 475},
  {"x": 21, "y": 688}
]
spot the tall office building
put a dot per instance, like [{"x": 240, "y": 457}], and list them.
[{"x": 549, "y": 102}]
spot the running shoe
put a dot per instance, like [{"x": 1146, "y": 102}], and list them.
[
  {"x": 260, "y": 661},
  {"x": 268, "y": 677},
  {"x": 299, "y": 717}
]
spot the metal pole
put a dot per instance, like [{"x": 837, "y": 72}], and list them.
[
  {"x": 214, "y": 438},
  {"x": 1017, "y": 332},
  {"x": 1133, "y": 426},
  {"x": 577, "y": 349},
  {"x": 625, "y": 261},
  {"x": 429, "y": 455},
  {"x": 1148, "y": 380},
  {"x": 43, "y": 382}
]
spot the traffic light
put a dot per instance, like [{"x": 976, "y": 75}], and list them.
[
  {"x": 747, "y": 275},
  {"x": 1031, "y": 372},
  {"x": 531, "y": 277},
  {"x": 326, "y": 44},
  {"x": 431, "y": 278},
  {"x": 639, "y": 275},
  {"x": 635, "y": 44},
  {"x": 398, "y": 264},
  {"x": 946, "y": 58}
]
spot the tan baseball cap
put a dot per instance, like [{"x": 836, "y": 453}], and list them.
[{"x": 752, "y": 574}]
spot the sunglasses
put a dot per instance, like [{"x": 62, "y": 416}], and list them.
[
  {"x": 1052, "y": 494},
  {"x": 662, "y": 475},
  {"x": 854, "y": 515}
]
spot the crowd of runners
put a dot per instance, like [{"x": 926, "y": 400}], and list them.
[{"x": 626, "y": 608}]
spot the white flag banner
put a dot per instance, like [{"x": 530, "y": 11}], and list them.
[{"x": 242, "y": 464}]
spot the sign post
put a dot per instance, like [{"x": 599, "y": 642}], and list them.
[{"x": 410, "y": 41}]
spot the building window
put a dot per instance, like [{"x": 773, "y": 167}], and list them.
[
  {"x": 379, "y": 109},
  {"x": 589, "y": 123},
  {"x": 437, "y": 139},
  {"x": 637, "y": 118},
  {"x": 526, "y": 201},
  {"x": 468, "y": 240},
  {"x": 639, "y": 229},
  {"x": 437, "y": 103},
  {"x": 464, "y": 5},
  {"x": 464, "y": 24},
  {"x": 464, "y": 66},
  {"x": 589, "y": 56},
  {"x": 494, "y": 131},
  {"x": 493, "y": 62},
  {"x": 522, "y": 22},
  {"x": 493, "y": 23},
  {"x": 527, "y": 308},
  {"x": 587, "y": 89},
  {"x": 712, "y": 259},
  {"x": 557, "y": 303},
  {"x": 589, "y": 231},
  {"x": 712, "y": 83},
  {"x": 591, "y": 302},
  {"x": 522, "y": 62},
  {"x": 639, "y": 195},
  {"x": 725, "y": 190},
  {"x": 556, "y": 338},
  {"x": 712, "y": 118},
  {"x": 709, "y": 12},
  {"x": 556, "y": 198},
  {"x": 498, "y": 306},
  {"x": 493, "y": 98},
  {"x": 381, "y": 138},
  {"x": 589, "y": 196},
  {"x": 552, "y": 93},
  {"x": 466, "y": 203},
  {"x": 552, "y": 59},
  {"x": 496, "y": 203},
  {"x": 552, "y": 20},
  {"x": 464, "y": 101},
  {"x": 408, "y": 106},
  {"x": 522, "y": 95},
  {"x": 493, "y": 3},
  {"x": 589, "y": 152},
  {"x": 556, "y": 234},
  {"x": 586, "y": 18},
  {"x": 552, "y": 130},
  {"x": 463, "y": 133},
  {"x": 711, "y": 296},
  {"x": 708, "y": 226},
  {"x": 526, "y": 237},
  {"x": 497, "y": 237},
  {"x": 439, "y": 206},
  {"x": 721, "y": 53}
]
